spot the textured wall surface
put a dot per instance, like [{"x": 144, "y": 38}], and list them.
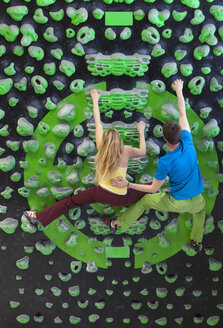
[{"x": 74, "y": 272}]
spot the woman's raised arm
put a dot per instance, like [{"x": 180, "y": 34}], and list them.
[
  {"x": 95, "y": 95},
  {"x": 141, "y": 151}
]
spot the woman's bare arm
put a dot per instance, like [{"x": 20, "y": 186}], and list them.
[
  {"x": 97, "y": 118},
  {"x": 141, "y": 151}
]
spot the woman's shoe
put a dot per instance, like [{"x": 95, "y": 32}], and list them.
[
  {"x": 31, "y": 215},
  {"x": 196, "y": 245},
  {"x": 110, "y": 226}
]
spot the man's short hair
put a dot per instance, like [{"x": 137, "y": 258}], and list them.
[{"x": 172, "y": 132}]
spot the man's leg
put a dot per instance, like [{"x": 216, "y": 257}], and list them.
[
  {"x": 158, "y": 201},
  {"x": 198, "y": 219}
]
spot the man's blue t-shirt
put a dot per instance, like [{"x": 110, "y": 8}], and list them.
[{"x": 181, "y": 166}]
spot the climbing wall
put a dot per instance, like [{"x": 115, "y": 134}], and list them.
[{"x": 74, "y": 273}]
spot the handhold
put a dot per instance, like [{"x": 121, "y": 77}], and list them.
[
  {"x": 49, "y": 68},
  {"x": 67, "y": 67},
  {"x": 126, "y": 33},
  {"x": 152, "y": 147},
  {"x": 158, "y": 86},
  {"x": 62, "y": 192},
  {"x": 10, "y": 32},
  {"x": 217, "y": 12},
  {"x": 196, "y": 85},
  {"x": 207, "y": 35},
  {"x": 10, "y": 70},
  {"x": 179, "y": 16},
  {"x": 168, "y": 112},
  {"x": 201, "y": 52},
  {"x": 163, "y": 242},
  {"x": 50, "y": 105},
  {"x": 158, "y": 17},
  {"x": 214, "y": 85},
  {"x": 150, "y": 35},
  {"x": 29, "y": 35},
  {"x": 57, "y": 15},
  {"x": 77, "y": 85},
  {"x": 61, "y": 130},
  {"x": 186, "y": 69},
  {"x": 98, "y": 13},
  {"x": 39, "y": 16},
  {"x": 187, "y": 36},
  {"x": 43, "y": 3},
  {"x": 39, "y": 84},
  {"x": 214, "y": 265},
  {"x": 78, "y": 50},
  {"x": 57, "y": 53},
  {"x": 50, "y": 150},
  {"x": 86, "y": 147},
  {"x": 85, "y": 35},
  {"x": 26, "y": 225},
  {"x": 5, "y": 85},
  {"x": 211, "y": 129},
  {"x": 157, "y": 51},
  {"x": 169, "y": 69},
  {"x": 24, "y": 128},
  {"x": 198, "y": 17},
  {"x": 18, "y": 50},
  {"x": 191, "y": 3},
  {"x": 110, "y": 34},
  {"x": 49, "y": 35},
  {"x": 77, "y": 16},
  {"x": 205, "y": 111},
  {"x": 139, "y": 14},
  {"x": 17, "y": 12},
  {"x": 22, "y": 84}
]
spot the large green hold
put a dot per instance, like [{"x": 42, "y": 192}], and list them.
[
  {"x": 17, "y": 12},
  {"x": 7, "y": 163}
]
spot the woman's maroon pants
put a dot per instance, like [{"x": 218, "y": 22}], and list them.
[{"x": 89, "y": 196}]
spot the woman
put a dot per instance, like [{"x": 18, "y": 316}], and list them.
[{"x": 111, "y": 162}]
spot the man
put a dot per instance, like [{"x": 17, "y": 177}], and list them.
[{"x": 185, "y": 180}]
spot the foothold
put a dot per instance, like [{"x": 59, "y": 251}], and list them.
[
  {"x": 29, "y": 69},
  {"x": 209, "y": 225},
  {"x": 15, "y": 177},
  {"x": 7, "y": 193},
  {"x": 207, "y": 35},
  {"x": 126, "y": 33},
  {"x": 158, "y": 18},
  {"x": 75, "y": 266},
  {"x": 168, "y": 112},
  {"x": 217, "y": 12},
  {"x": 205, "y": 146},
  {"x": 179, "y": 16},
  {"x": 91, "y": 267},
  {"x": 13, "y": 101},
  {"x": 110, "y": 34},
  {"x": 33, "y": 112},
  {"x": 201, "y": 52},
  {"x": 61, "y": 130},
  {"x": 85, "y": 35},
  {"x": 50, "y": 105},
  {"x": 5, "y": 85},
  {"x": 77, "y": 16},
  {"x": 187, "y": 36},
  {"x": 44, "y": 128},
  {"x": 23, "y": 318},
  {"x": 39, "y": 16},
  {"x": 7, "y": 163},
  {"x": 163, "y": 242},
  {"x": 196, "y": 85},
  {"x": 29, "y": 35},
  {"x": 46, "y": 247},
  {"x": 218, "y": 50},
  {"x": 8, "y": 225},
  {"x": 61, "y": 192},
  {"x": 4, "y": 131},
  {"x": 56, "y": 291},
  {"x": 150, "y": 35},
  {"x": 169, "y": 69},
  {"x": 39, "y": 84},
  {"x": 58, "y": 85},
  {"x": 98, "y": 13},
  {"x": 49, "y": 35},
  {"x": 23, "y": 263},
  {"x": 17, "y": 12},
  {"x": 198, "y": 17},
  {"x": 10, "y": 32},
  {"x": 213, "y": 320},
  {"x": 214, "y": 265},
  {"x": 57, "y": 15},
  {"x": 74, "y": 320}
]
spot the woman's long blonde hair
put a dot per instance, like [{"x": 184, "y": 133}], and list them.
[{"x": 109, "y": 155}]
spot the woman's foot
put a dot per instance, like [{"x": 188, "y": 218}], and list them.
[
  {"x": 196, "y": 245},
  {"x": 31, "y": 215},
  {"x": 113, "y": 225}
]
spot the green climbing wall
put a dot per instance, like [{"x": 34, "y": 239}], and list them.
[{"x": 74, "y": 272}]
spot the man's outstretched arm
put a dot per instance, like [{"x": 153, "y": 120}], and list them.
[
  {"x": 154, "y": 187},
  {"x": 178, "y": 87}
]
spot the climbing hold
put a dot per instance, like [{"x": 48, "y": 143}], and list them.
[
  {"x": 17, "y": 12},
  {"x": 150, "y": 35},
  {"x": 77, "y": 16},
  {"x": 36, "y": 52},
  {"x": 29, "y": 35},
  {"x": 49, "y": 35}
]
